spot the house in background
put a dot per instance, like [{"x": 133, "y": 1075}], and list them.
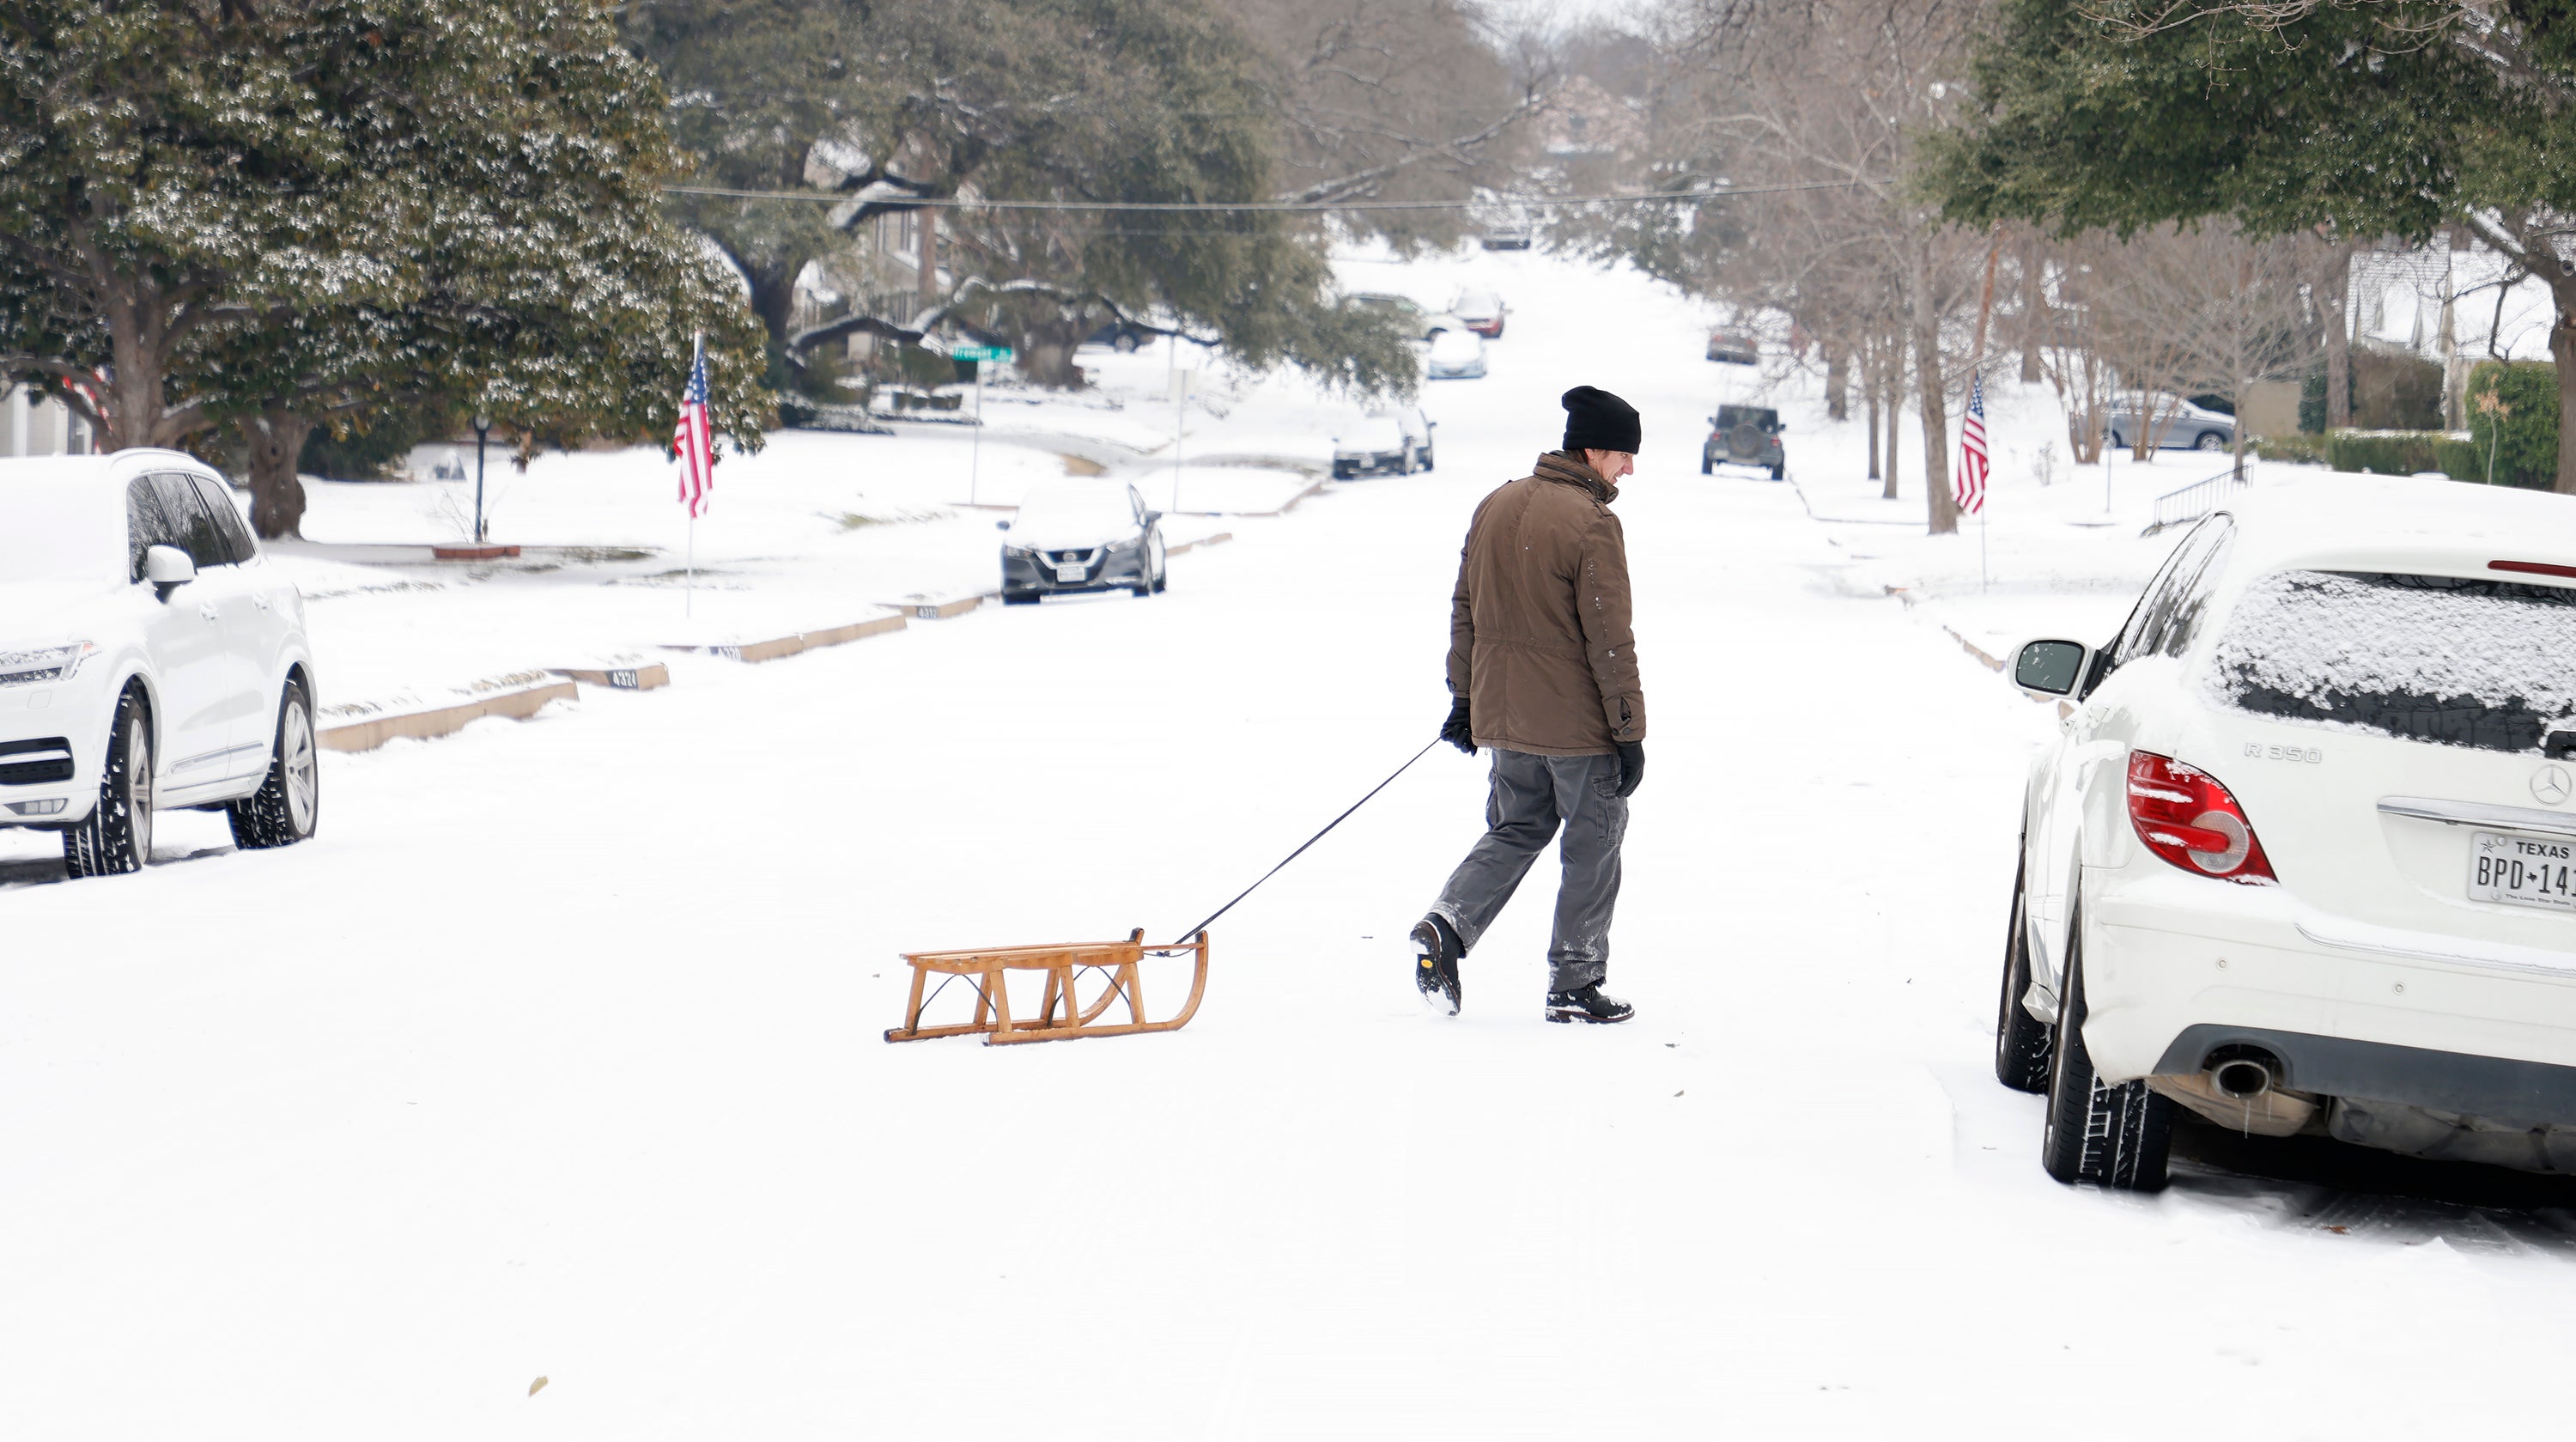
[{"x": 36, "y": 425}]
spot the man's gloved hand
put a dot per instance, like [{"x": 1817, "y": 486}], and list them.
[
  {"x": 1632, "y": 767},
  {"x": 1456, "y": 730}
]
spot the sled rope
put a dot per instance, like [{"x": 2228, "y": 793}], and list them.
[{"x": 1311, "y": 840}]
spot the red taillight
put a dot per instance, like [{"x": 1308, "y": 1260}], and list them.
[
  {"x": 2533, "y": 568},
  {"x": 2186, "y": 817}
]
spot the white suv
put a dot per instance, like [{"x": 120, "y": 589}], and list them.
[
  {"x": 2304, "y": 858},
  {"x": 149, "y": 657}
]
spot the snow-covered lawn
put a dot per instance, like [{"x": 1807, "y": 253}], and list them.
[{"x": 556, "y": 1053}]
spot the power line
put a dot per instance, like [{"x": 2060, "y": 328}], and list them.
[{"x": 826, "y": 197}]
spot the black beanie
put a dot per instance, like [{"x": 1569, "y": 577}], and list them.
[{"x": 1596, "y": 420}]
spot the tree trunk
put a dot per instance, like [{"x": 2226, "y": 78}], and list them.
[
  {"x": 1895, "y": 383},
  {"x": 2562, "y": 349},
  {"x": 1837, "y": 382},
  {"x": 1869, "y": 395},
  {"x": 1043, "y": 339},
  {"x": 773, "y": 298},
  {"x": 2338, "y": 283},
  {"x": 929, "y": 257},
  {"x": 2034, "y": 309},
  {"x": 275, "y": 440},
  {"x": 130, "y": 402},
  {"x": 1940, "y": 505}
]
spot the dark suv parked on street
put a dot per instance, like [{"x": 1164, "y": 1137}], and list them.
[{"x": 1744, "y": 436}]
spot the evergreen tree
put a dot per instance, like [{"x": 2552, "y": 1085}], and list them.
[
  {"x": 298, "y": 212},
  {"x": 2366, "y": 117}
]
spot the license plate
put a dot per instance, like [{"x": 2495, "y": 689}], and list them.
[
  {"x": 2522, "y": 870},
  {"x": 1070, "y": 573}
]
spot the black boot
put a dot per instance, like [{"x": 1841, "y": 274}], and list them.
[
  {"x": 1435, "y": 969},
  {"x": 1587, "y": 1003}
]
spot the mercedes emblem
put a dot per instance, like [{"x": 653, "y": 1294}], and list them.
[{"x": 2552, "y": 785}]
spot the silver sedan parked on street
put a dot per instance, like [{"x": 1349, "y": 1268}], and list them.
[{"x": 2176, "y": 424}]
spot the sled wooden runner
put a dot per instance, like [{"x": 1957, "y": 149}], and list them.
[{"x": 1062, "y": 1014}]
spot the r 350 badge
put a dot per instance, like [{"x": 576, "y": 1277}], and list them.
[{"x": 2312, "y": 755}]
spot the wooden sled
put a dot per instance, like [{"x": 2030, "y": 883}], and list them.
[{"x": 1062, "y": 1016}]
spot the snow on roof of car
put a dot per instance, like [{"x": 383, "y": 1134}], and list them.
[{"x": 2399, "y": 524}]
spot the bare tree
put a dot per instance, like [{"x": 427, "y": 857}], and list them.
[{"x": 1822, "y": 92}]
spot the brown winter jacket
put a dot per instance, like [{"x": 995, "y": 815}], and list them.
[{"x": 1538, "y": 628}]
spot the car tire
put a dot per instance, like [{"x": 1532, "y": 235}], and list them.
[
  {"x": 1779, "y": 472},
  {"x": 288, "y": 804},
  {"x": 1123, "y": 342},
  {"x": 2119, "y": 1136},
  {"x": 2209, "y": 441},
  {"x": 2117, "y": 443},
  {"x": 1426, "y": 458},
  {"x": 1707, "y": 467},
  {"x": 117, "y": 836},
  {"x": 2021, "y": 1040}
]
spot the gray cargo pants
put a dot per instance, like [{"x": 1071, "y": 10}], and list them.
[{"x": 1531, "y": 795}]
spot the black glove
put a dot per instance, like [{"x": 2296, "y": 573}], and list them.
[
  {"x": 1456, "y": 730},
  {"x": 1632, "y": 767}
]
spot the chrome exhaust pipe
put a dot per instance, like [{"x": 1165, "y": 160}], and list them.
[{"x": 2241, "y": 1078}]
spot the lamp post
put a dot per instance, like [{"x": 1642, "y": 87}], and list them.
[{"x": 482, "y": 430}]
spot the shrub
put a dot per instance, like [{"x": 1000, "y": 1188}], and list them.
[
  {"x": 2384, "y": 453},
  {"x": 2524, "y": 438},
  {"x": 2311, "y": 449}
]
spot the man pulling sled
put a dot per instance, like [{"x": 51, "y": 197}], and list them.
[{"x": 1543, "y": 674}]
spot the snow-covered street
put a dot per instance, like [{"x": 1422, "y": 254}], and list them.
[{"x": 557, "y": 1053}]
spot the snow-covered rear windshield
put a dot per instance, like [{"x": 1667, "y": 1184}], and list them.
[
  {"x": 2467, "y": 662},
  {"x": 53, "y": 532},
  {"x": 1068, "y": 504}
]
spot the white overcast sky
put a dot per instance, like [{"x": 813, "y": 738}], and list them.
[{"x": 1558, "y": 10}]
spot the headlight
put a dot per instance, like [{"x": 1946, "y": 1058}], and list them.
[
  {"x": 1126, "y": 545},
  {"x": 1023, "y": 552},
  {"x": 43, "y": 664}
]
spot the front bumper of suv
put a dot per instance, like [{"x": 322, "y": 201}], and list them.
[
  {"x": 53, "y": 746},
  {"x": 2177, "y": 968}
]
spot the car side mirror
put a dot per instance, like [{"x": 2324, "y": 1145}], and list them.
[
  {"x": 1152, "y": 516},
  {"x": 1001, "y": 525},
  {"x": 2050, "y": 669},
  {"x": 168, "y": 566}
]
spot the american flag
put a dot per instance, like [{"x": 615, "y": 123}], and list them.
[
  {"x": 693, "y": 441},
  {"x": 1968, "y": 486}
]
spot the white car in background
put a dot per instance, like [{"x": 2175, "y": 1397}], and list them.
[
  {"x": 2303, "y": 859},
  {"x": 1483, "y": 312},
  {"x": 1388, "y": 441},
  {"x": 150, "y": 658},
  {"x": 1455, "y": 355}
]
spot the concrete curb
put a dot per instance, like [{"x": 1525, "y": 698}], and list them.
[
  {"x": 776, "y": 647},
  {"x": 1185, "y": 547},
  {"x": 649, "y": 677},
  {"x": 1991, "y": 663},
  {"x": 375, "y": 731}
]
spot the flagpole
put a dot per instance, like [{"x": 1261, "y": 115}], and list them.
[{"x": 689, "y": 591}]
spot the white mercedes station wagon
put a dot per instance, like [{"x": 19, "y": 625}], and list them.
[
  {"x": 150, "y": 657},
  {"x": 2303, "y": 859}
]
